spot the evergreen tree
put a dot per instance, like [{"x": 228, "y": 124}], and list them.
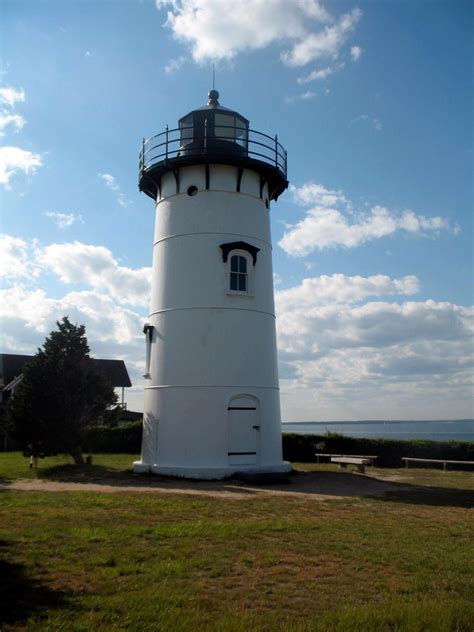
[{"x": 60, "y": 394}]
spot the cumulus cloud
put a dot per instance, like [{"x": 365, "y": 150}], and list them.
[
  {"x": 7, "y": 119},
  {"x": 64, "y": 220},
  {"x": 302, "y": 96},
  {"x": 331, "y": 222},
  {"x": 27, "y": 315},
  {"x": 108, "y": 301},
  {"x": 111, "y": 183},
  {"x": 321, "y": 74},
  {"x": 96, "y": 267},
  {"x": 14, "y": 258},
  {"x": 345, "y": 356},
  {"x": 326, "y": 43},
  {"x": 14, "y": 160},
  {"x": 339, "y": 288},
  {"x": 10, "y": 96},
  {"x": 216, "y": 30},
  {"x": 174, "y": 65},
  {"x": 220, "y": 30},
  {"x": 356, "y": 52},
  {"x": 346, "y": 343}
]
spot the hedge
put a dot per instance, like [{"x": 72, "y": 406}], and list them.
[
  {"x": 126, "y": 438},
  {"x": 300, "y": 447}
]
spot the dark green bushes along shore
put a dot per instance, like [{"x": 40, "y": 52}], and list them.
[{"x": 301, "y": 447}]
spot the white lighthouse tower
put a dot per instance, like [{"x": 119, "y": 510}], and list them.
[{"x": 212, "y": 405}]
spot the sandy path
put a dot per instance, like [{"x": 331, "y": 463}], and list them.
[{"x": 319, "y": 486}]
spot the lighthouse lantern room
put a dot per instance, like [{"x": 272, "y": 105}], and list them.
[{"x": 212, "y": 405}]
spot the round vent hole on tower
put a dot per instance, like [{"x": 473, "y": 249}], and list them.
[{"x": 192, "y": 190}]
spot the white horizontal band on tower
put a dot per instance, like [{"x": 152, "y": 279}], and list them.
[
  {"x": 241, "y": 309},
  {"x": 263, "y": 241}
]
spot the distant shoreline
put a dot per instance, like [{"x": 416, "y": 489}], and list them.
[
  {"x": 430, "y": 429},
  {"x": 385, "y": 421}
]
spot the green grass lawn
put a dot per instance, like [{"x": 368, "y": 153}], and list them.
[{"x": 141, "y": 561}]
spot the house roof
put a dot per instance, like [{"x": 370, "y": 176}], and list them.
[{"x": 11, "y": 366}]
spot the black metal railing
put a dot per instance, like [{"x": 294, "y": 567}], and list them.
[{"x": 186, "y": 142}]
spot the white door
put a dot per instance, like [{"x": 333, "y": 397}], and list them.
[{"x": 243, "y": 431}]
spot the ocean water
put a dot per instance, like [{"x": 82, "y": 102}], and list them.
[{"x": 455, "y": 430}]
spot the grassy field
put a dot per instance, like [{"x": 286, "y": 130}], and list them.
[{"x": 176, "y": 562}]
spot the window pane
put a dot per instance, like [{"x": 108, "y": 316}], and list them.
[
  {"x": 242, "y": 264},
  {"x": 234, "y": 263},
  {"x": 224, "y": 126},
  {"x": 233, "y": 280},
  {"x": 241, "y": 133},
  {"x": 242, "y": 282},
  {"x": 186, "y": 126}
]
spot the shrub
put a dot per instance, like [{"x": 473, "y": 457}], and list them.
[
  {"x": 126, "y": 438},
  {"x": 302, "y": 448}
]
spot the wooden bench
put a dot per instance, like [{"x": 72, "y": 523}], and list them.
[
  {"x": 349, "y": 456},
  {"x": 445, "y": 462},
  {"x": 344, "y": 461}
]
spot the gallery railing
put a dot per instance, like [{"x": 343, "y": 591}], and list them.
[{"x": 230, "y": 142}]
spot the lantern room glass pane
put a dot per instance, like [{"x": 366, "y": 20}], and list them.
[
  {"x": 241, "y": 133},
  {"x": 224, "y": 127},
  {"x": 186, "y": 128}
]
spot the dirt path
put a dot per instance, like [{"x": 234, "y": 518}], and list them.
[{"x": 317, "y": 485}]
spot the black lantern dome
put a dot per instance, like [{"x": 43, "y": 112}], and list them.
[{"x": 213, "y": 134}]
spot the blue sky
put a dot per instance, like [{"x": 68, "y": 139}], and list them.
[{"x": 372, "y": 242}]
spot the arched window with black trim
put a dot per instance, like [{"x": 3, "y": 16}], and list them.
[{"x": 238, "y": 273}]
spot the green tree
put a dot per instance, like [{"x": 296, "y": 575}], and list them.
[{"x": 60, "y": 394}]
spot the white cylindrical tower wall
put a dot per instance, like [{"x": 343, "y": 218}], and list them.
[{"x": 211, "y": 346}]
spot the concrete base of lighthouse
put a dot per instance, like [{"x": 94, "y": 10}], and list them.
[{"x": 210, "y": 473}]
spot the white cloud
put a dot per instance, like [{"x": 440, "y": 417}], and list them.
[
  {"x": 344, "y": 358},
  {"x": 10, "y": 96},
  {"x": 174, "y": 65},
  {"x": 14, "y": 160},
  {"x": 356, "y": 52},
  {"x": 321, "y": 74},
  {"x": 374, "y": 121},
  {"x": 344, "y": 349},
  {"x": 14, "y": 258},
  {"x": 96, "y": 267},
  {"x": 302, "y": 96},
  {"x": 331, "y": 222},
  {"x": 326, "y": 43},
  {"x": 221, "y": 29},
  {"x": 27, "y": 315},
  {"x": 6, "y": 119},
  {"x": 339, "y": 288},
  {"x": 311, "y": 193},
  {"x": 111, "y": 183},
  {"x": 64, "y": 220}
]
